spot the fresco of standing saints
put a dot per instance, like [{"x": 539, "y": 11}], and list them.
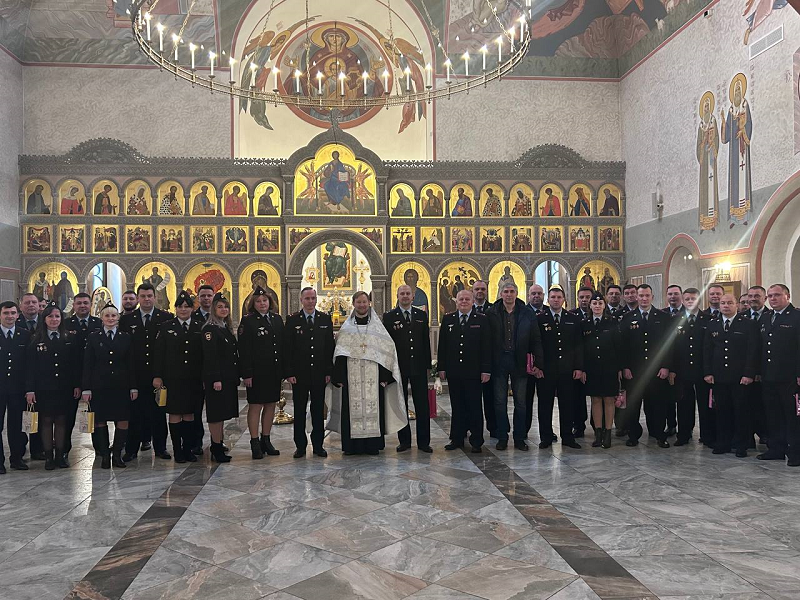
[
  {"x": 707, "y": 152},
  {"x": 737, "y": 131}
]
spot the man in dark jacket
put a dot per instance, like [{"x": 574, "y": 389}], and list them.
[{"x": 515, "y": 334}]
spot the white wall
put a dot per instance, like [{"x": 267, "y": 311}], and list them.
[
  {"x": 10, "y": 149},
  {"x": 659, "y": 109}
]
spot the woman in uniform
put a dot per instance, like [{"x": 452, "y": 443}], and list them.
[
  {"x": 53, "y": 382},
  {"x": 220, "y": 373},
  {"x": 109, "y": 384},
  {"x": 602, "y": 367},
  {"x": 261, "y": 345},
  {"x": 178, "y": 365}
]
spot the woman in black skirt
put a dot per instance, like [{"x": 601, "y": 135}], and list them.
[
  {"x": 53, "y": 382},
  {"x": 109, "y": 384},
  {"x": 261, "y": 346},
  {"x": 602, "y": 367},
  {"x": 220, "y": 373},
  {"x": 177, "y": 366}
]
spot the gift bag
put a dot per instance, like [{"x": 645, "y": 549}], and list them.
[
  {"x": 30, "y": 420},
  {"x": 432, "y": 403},
  {"x": 621, "y": 400},
  {"x": 531, "y": 363},
  {"x": 161, "y": 396},
  {"x": 711, "y": 398},
  {"x": 86, "y": 420},
  {"x": 797, "y": 404}
]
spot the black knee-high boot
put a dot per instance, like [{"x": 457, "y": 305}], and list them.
[
  {"x": 187, "y": 435},
  {"x": 120, "y": 437},
  {"x": 175, "y": 432},
  {"x": 101, "y": 436}
]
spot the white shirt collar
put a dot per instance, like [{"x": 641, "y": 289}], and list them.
[
  {"x": 306, "y": 315},
  {"x": 50, "y": 333},
  {"x": 7, "y": 329},
  {"x": 106, "y": 330},
  {"x": 554, "y": 313},
  {"x": 189, "y": 321},
  {"x": 467, "y": 314}
]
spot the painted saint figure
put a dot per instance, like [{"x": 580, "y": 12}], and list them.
[
  {"x": 71, "y": 204},
  {"x": 170, "y": 205},
  {"x": 432, "y": 204},
  {"x": 235, "y": 202},
  {"x": 102, "y": 202},
  {"x": 266, "y": 208},
  {"x": 737, "y": 131},
  {"x": 337, "y": 181},
  {"x": 552, "y": 204},
  {"x": 581, "y": 206},
  {"x": 411, "y": 278},
  {"x": 522, "y": 205},
  {"x": 403, "y": 206},
  {"x": 493, "y": 207},
  {"x": 707, "y": 151},
  {"x": 610, "y": 205},
  {"x": 202, "y": 205},
  {"x": 36, "y": 204},
  {"x": 463, "y": 206}
]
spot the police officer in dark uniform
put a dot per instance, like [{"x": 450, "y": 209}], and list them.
[
  {"x": 205, "y": 294},
  {"x": 109, "y": 384},
  {"x": 177, "y": 366},
  {"x": 465, "y": 361},
  {"x": 14, "y": 341},
  {"x": 756, "y": 297},
  {"x": 261, "y": 362},
  {"x": 408, "y": 327},
  {"x": 29, "y": 319},
  {"x": 674, "y": 309},
  {"x": 689, "y": 329},
  {"x": 143, "y": 325},
  {"x": 309, "y": 364},
  {"x": 616, "y": 308},
  {"x": 647, "y": 363},
  {"x": 481, "y": 305},
  {"x": 562, "y": 342},
  {"x": 580, "y": 414},
  {"x": 730, "y": 363},
  {"x": 780, "y": 375}
]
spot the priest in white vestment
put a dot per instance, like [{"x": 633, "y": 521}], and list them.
[{"x": 365, "y": 400}]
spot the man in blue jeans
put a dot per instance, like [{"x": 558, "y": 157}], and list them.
[{"x": 515, "y": 334}]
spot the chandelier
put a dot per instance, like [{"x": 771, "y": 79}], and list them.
[{"x": 168, "y": 50}]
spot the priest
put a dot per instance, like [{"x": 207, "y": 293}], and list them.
[{"x": 364, "y": 397}]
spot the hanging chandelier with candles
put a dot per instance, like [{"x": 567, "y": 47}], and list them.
[{"x": 168, "y": 50}]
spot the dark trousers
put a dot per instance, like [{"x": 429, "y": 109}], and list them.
[
  {"x": 196, "y": 427},
  {"x": 147, "y": 417},
  {"x": 13, "y": 405},
  {"x": 651, "y": 391},
  {"x": 488, "y": 407},
  {"x": 300, "y": 395},
  {"x": 694, "y": 399},
  {"x": 465, "y": 403},
  {"x": 549, "y": 387},
  {"x": 36, "y": 443},
  {"x": 530, "y": 390},
  {"x": 673, "y": 397},
  {"x": 419, "y": 394},
  {"x": 70, "y": 425},
  {"x": 500, "y": 377},
  {"x": 732, "y": 416},
  {"x": 758, "y": 412},
  {"x": 782, "y": 419},
  {"x": 579, "y": 412}
]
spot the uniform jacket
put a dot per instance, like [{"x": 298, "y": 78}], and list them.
[
  {"x": 527, "y": 337},
  {"x": 261, "y": 346},
  {"x": 309, "y": 348},
  {"x": 464, "y": 352},
  {"x": 646, "y": 348},
  {"x": 12, "y": 351},
  {"x": 602, "y": 345},
  {"x": 583, "y": 316},
  {"x": 731, "y": 355},
  {"x": 178, "y": 355},
  {"x": 413, "y": 341},
  {"x": 52, "y": 365},
  {"x": 780, "y": 346},
  {"x": 687, "y": 345},
  {"x": 562, "y": 344},
  {"x": 144, "y": 341},
  {"x": 220, "y": 355},
  {"x": 109, "y": 365}
]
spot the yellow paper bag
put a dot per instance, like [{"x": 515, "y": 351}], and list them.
[
  {"x": 86, "y": 420},
  {"x": 161, "y": 396},
  {"x": 30, "y": 421}
]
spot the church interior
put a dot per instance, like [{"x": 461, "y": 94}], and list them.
[{"x": 280, "y": 145}]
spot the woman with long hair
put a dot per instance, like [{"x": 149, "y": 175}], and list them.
[
  {"x": 220, "y": 373},
  {"x": 53, "y": 382},
  {"x": 261, "y": 348},
  {"x": 109, "y": 384},
  {"x": 602, "y": 367}
]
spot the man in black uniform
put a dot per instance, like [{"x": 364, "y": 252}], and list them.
[
  {"x": 80, "y": 324},
  {"x": 756, "y": 297},
  {"x": 408, "y": 327},
  {"x": 631, "y": 295},
  {"x": 647, "y": 360},
  {"x": 309, "y": 363},
  {"x": 12, "y": 390},
  {"x": 536, "y": 303},
  {"x": 465, "y": 361},
  {"x": 714, "y": 294},
  {"x": 29, "y": 319},
  {"x": 143, "y": 325},
  {"x": 562, "y": 343},
  {"x": 613, "y": 301},
  {"x": 674, "y": 308},
  {"x": 580, "y": 414},
  {"x": 481, "y": 305},
  {"x": 780, "y": 375},
  {"x": 689, "y": 331},
  {"x": 536, "y": 298},
  {"x": 205, "y": 294},
  {"x": 129, "y": 302},
  {"x": 730, "y": 362}
]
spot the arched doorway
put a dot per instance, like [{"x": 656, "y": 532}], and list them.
[
  {"x": 105, "y": 281},
  {"x": 684, "y": 269},
  {"x": 551, "y": 272}
]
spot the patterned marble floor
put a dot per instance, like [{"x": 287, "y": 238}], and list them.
[{"x": 561, "y": 524}]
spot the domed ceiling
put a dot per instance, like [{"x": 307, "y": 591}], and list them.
[{"x": 571, "y": 38}]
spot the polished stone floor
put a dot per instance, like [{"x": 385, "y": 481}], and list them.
[{"x": 563, "y": 524}]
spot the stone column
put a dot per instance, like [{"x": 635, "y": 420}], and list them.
[
  {"x": 293, "y": 285},
  {"x": 380, "y": 293}
]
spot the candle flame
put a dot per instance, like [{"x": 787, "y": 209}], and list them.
[
  {"x": 465, "y": 56},
  {"x": 428, "y": 67},
  {"x": 275, "y": 70},
  {"x": 147, "y": 16},
  {"x": 447, "y": 63},
  {"x": 212, "y": 55},
  {"x": 407, "y": 70},
  {"x": 484, "y": 49},
  {"x": 499, "y": 40},
  {"x": 365, "y": 75},
  {"x": 160, "y": 27},
  {"x": 319, "y": 75},
  {"x": 297, "y": 73},
  {"x": 231, "y": 60},
  {"x": 253, "y": 66}
]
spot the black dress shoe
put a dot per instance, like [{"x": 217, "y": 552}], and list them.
[
  {"x": 793, "y": 462},
  {"x": 299, "y": 453},
  {"x": 631, "y": 443},
  {"x": 2, "y": 469},
  {"x": 453, "y": 446},
  {"x": 225, "y": 448},
  {"x": 768, "y": 455},
  {"x": 62, "y": 462},
  {"x": 670, "y": 432},
  {"x": 620, "y": 433},
  {"x": 197, "y": 451},
  {"x": 493, "y": 434},
  {"x": 502, "y": 445},
  {"x": 578, "y": 433},
  {"x": 520, "y": 445},
  {"x": 680, "y": 442},
  {"x": 321, "y": 452},
  {"x": 105, "y": 462},
  {"x": 427, "y": 449},
  {"x": 741, "y": 454},
  {"x": 478, "y": 450},
  {"x": 570, "y": 444},
  {"x": 164, "y": 454},
  {"x": 543, "y": 445},
  {"x": 403, "y": 447},
  {"x": 129, "y": 457},
  {"x": 19, "y": 465},
  {"x": 663, "y": 444},
  {"x": 720, "y": 451},
  {"x": 37, "y": 456},
  {"x": 146, "y": 446}
]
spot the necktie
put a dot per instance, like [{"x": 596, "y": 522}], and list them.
[
  {"x": 185, "y": 327},
  {"x": 310, "y": 320},
  {"x": 596, "y": 322},
  {"x": 31, "y": 325},
  {"x": 83, "y": 323},
  {"x": 146, "y": 320},
  {"x": 674, "y": 311},
  {"x": 774, "y": 316},
  {"x": 644, "y": 317},
  {"x": 463, "y": 320},
  {"x": 756, "y": 316},
  {"x": 557, "y": 318},
  {"x": 110, "y": 335},
  {"x": 691, "y": 320},
  {"x": 408, "y": 317},
  {"x": 727, "y": 324},
  {"x": 54, "y": 335},
  {"x": 9, "y": 335}
]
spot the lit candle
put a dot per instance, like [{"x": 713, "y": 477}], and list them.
[
  {"x": 499, "y": 49},
  {"x": 319, "y": 83},
  {"x": 385, "y": 81},
  {"x": 523, "y": 23},
  {"x": 447, "y": 65},
  {"x": 484, "y": 50},
  {"x": 253, "y": 69},
  {"x": 297, "y": 81},
  {"x": 466, "y": 63},
  {"x": 232, "y": 62},
  {"x": 160, "y": 28},
  {"x": 175, "y": 41},
  {"x": 275, "y": 72},
  {"x": 408, "y": 79},
  {"x": 428, "y": 75},
  {"x": 365, "y": 76},
  {"x": 192, "y": 49},
  {"x": 147, "y": 18},
  {"x": 211, "y": 57},
  {"x": 512, "y": 32},
  {"x": 341, "y": 82}
]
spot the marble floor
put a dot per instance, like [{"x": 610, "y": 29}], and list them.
[{"x": 563, "y": 524}]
